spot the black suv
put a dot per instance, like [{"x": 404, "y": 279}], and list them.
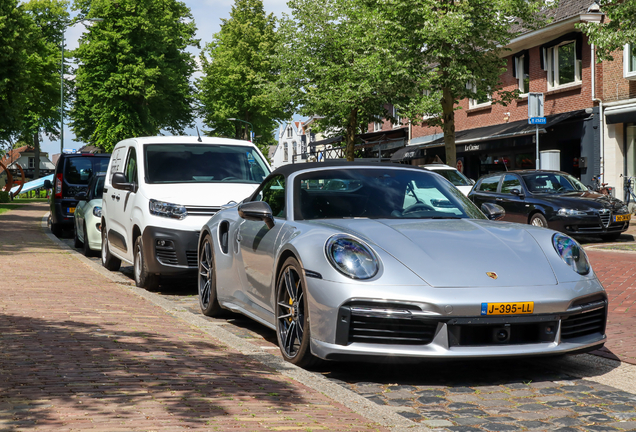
[{"x": 72, "y": 174}]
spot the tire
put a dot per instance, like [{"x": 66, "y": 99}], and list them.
[
  {"x": 88, "y": 252},
  {"x": 292, "y": 316},
  {"x": 538, "y": 220},
  {"x": 108, "y": 261},
  {"x": 610, "y": 237},
  {"x": 56, "y": 229},
  {"x": 206, "y": 281},
  {"x": 76, "y": 241},
  {"x": 143, "y": 279}
]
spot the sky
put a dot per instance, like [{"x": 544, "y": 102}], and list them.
[{"x": 207, "y": 16}]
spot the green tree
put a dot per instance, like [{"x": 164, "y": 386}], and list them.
[
  {"x": 42, "y": 96},
  {"x": 133, "y": 77},
  {"x": 15, "y": 33},
  {"x": 617, "y": 29},
  {"x": 457, "y": 51},
  {"x": 340, "y": 59},
  {"x": 237, "y": 67}
]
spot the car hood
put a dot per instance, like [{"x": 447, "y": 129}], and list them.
[
  {"x": 458, "y": 253},
  {"x": 200, "y": 194},
  {"x": 582, "y": 200}
]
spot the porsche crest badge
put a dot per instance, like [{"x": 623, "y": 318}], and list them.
[{"x": 492, "y": 275}]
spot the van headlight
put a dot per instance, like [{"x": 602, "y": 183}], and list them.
[
  {"x": 351, "y": 257},
  {"x": 169, "y": 210},
  {"x": 571, "y": 253}
]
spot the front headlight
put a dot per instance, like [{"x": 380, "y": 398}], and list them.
[
  {"x": 97, "y": 211},
  {"x": 351, "y": 257},
  {"x": 571, "y": 253},
  {"x": 571, "y": 212},
  {"x": 169, "y": 210}
]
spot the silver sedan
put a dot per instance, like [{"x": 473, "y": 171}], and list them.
[{"x": 395, "y": 262}]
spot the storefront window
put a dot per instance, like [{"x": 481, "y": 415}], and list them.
[{"x": 630, "y": 150}]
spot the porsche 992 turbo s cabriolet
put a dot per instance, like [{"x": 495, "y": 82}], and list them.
[{"x": 395, "y": 262}]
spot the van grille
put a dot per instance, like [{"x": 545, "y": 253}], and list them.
[
  {"x": 202, "y": 211},
  {"x": 191, "y": 256},
  {"x": 583, "y": 324}
]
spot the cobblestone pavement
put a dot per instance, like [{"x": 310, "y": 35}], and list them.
[{"x": 510, "y": 395}]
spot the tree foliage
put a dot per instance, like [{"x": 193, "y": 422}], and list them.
[
  {"x": 458, "y": 52},
  {"x": 133, "y": 77},
  {"x": 339, "y": 59},
  {"x": 617, "y": 29},
  {"x": 237, "y": 67}
]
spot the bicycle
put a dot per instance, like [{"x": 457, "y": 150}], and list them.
[
  {"x": 599, "y": 187},
  {"x": 628, "y": 190}
]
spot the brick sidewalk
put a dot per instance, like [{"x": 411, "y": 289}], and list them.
[
  {"x": 617, "y": 273},
  {"x": 79, "y": 352}
]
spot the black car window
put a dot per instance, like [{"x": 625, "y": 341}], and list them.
[
  {"x": 510, "y": 182},
  {"x": 98, "y": 190},
  {"x": 273, "y": 193},
  {"x": 131, "y": 166},
  {"x": 489, "y": 184}
]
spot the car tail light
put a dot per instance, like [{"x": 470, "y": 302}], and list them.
[{"x": 58, "y": 186}]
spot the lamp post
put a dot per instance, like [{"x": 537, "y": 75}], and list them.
[
  {"x": 65, "y": 26},
  {"x": 251, "y": 126}
]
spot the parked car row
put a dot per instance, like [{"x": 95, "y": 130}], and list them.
[{"x": 350, "y": 259}]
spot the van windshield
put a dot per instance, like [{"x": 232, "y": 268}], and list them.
[{"x": 203, "y": 163}]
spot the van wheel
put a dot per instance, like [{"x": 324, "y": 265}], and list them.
[
  {"x": 85, "y": 247},
  {"x": 108, "y": 261},
  {"x": 143, "y": 279}
]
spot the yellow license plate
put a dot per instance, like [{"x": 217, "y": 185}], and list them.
[
  {"x": 507, "y": 308},
  {"x": 71, "y": 210},
  {"x": 622, "y": 218}
]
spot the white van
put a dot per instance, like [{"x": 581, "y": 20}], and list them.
[{"x": 158, "y": 193}]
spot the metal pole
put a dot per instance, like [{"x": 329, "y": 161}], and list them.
[
  {"x": 537, "y": 140},
  {"x": 62, "y": 96}
]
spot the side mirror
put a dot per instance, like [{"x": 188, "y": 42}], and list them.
[
  {"x": 48, "y": 184},
  {"x": 121, "y": 182},
  {"x": 517, "y": 192},
  {"x": 81, "y": 196},
  {"x": 257, "y": 211},
  {"x": 472, "y": 182},
  {"x": 493, "y": 211}
]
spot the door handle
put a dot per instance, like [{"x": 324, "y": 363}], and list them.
[
  {"x": 499, "y": 199},
  {"x": 113, "y": 196},
  {"x": 118, "y": 198},
  {"x": 239, "y": 238}
]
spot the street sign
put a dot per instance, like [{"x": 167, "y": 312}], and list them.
[{"x": 537, "y": 120}]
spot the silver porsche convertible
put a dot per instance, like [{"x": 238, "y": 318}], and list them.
[{"x": 361, "y": 259}]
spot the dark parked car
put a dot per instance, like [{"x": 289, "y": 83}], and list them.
[
  {"x": 553, "y": 199},
  {"x": 72, "y": 174}
]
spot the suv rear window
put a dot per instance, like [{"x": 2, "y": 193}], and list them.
[{"x": 79, "y": 170}]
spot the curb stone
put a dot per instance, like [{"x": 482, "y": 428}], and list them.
[{"x": 385, "y": 416}]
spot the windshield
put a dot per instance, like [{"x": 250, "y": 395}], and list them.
[
  {"x": 378, "y": 193},
  {"x": 453, "y": 176},
  {"x": 203, "y": 163},
  {"x": 552, "y": 183},
  {"x": 79, "y": 170}
]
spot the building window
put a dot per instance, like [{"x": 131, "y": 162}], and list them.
[
  {"x": 31, "y": 163},
  {"x": 294, "y": 148},
  {"x": 523, "y": 75},
  {"x": 629, "y": 61},
  {"x": 563, "y": 67},
  {"x": 377, "y": 126},
  {"x": 398, "y": 119},
  {"x": 289, "y": 132},
  {"x": 285, "y": 153},
  {"x": 482, "y": 100}
]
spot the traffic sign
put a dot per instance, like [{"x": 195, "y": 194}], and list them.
[{"x": 537, "y": 120}]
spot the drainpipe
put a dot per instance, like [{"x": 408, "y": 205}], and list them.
[{"x": 600, "y": 112}]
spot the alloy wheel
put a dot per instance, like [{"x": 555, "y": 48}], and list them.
[
  {"x": 291, "y": 312},
  {"x": 206, "y": 270}
]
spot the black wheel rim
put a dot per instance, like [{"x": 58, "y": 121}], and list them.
[
  {"x": 206, "y": 270},
  {"x": 291, "y": 312}
]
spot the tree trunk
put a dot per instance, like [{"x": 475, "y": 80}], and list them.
[
  {"x": 351, "y": 134},
  {"x": 448, "y": 111},
  {"x": 36, "y": 147}
]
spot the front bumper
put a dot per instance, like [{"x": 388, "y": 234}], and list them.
[
  {"x": 446, "y": 323},
  {"x": 170, "y": 251},
  {"x": 588, "y": 225}
]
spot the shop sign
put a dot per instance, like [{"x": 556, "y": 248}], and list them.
[{"x": 471, "y": 147}]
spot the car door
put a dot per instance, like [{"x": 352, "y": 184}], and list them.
[
  {"x": 514, "y": 204},
  {"x": 258, "y": 246},
  {"x": 486, "y": 190},
  {"x": 128, "y": 199},
  {"x": 116, "y": 221}
]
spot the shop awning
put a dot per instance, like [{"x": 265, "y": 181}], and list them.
[
  {"x": 622, "y": 114},
  {"x": 488, "y": 133}
]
